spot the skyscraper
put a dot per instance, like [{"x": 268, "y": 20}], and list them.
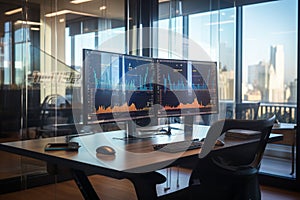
[
  {"x": 276, "y": 74},
  {"x": 259, "y": 80},
  {"x": 268, "y": 78}
]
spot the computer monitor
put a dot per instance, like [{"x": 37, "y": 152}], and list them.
[
  {"x": 129, "y": 88},
  {"x": 116, "y": 87},
  {"x": 186, "y": 88}
]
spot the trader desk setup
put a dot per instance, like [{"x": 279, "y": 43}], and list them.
[{"x": 132, "y": 158}]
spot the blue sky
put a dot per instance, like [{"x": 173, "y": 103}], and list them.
[{"x": 273, "y": 23}]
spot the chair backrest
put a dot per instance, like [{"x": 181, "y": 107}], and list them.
[
  {"x": 222, "y": 126},
  {"x": 52, "y": 110},
  {"x": 246, "y": 110},
  {"x": 55, "y": 101}
]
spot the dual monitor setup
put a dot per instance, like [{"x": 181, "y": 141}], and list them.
[{"x": 133, "y": 89}]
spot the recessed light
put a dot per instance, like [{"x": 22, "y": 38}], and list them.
[
  {"x": 63, "y": 12},
  {"x": 14, "y": 11},
  {"x": 102, "y": 8},
  {"x": 27, "y": 23},
  {"x": 79, "y": 1},
  {"x": 161, "y": 1},
  {"x": 34, "y": 28}
]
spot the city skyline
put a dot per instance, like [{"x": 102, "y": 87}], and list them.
[
  {"x": 271, "y": 24},
  {"x": 266, "y": 79}
]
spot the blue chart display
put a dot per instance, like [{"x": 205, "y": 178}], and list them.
[
  {"x": 117, "y": 87},
  {"x": 187, "y": 87},
  {"x": 120, "y": 87}
]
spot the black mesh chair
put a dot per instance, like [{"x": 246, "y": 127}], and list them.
[
  {"x": 56, "y": 110},
  {"x": 247, "y": 110},
  {"x": 231, "y": 173}
]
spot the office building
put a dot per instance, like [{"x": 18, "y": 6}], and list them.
[{"x": 276, "y": 73}]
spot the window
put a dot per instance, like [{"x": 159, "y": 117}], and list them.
[
  {"x": 270, "y": 52},
  {"x": 216, "y": 38},
  {"x": 269, "y": 71},
  {"x": 170, "y": 32}
]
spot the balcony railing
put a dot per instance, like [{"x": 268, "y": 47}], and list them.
[{"x": 285, "y": 113}]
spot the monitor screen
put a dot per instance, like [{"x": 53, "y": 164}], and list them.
[
  {"x": 186, "y": 87},
  {"x": 117, "y": 87},
  {"x": 121, "y": 87}
]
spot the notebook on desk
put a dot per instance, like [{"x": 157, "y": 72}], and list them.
[{"x": 243, "y": 134}]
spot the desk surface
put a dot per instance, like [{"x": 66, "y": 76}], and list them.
[
  {"x": 284, "y": 126},
  {"x": 131, "y": 156}
]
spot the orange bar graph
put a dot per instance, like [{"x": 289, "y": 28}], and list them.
[
  {"x": 194, "y": 104},
  {"x": 122, "y": 108}
]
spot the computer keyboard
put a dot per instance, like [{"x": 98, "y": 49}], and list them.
[{"x": 181, "y": 146}]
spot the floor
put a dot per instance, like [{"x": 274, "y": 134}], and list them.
[
  {"x": 277, "y": 166},
  {"x": 119, "y": 189},
  {"x": 111, "y": 189}
]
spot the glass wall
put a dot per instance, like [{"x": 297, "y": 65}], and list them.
[
  {"x": 41, "y": 66},
  {"x": 258, "y": 41},
  {"x": 269, "y": 67},
  {"x": 217, "y": 38},
  {"x": 201, "y": 31},
  {"x": 270, "y": 71}
]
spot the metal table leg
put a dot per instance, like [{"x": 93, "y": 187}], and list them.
[{"x": 84, "y": 185}]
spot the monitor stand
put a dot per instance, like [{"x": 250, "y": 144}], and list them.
[
  {"x": 168, "y": 130},
  {"x": 188, "y": 126},
  {"x": 130, "y": 132},
  {"x": 169, "y": 127}
]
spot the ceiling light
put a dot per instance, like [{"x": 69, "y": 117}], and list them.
[
  {"x": 161, "y": 1},
  {"x": 34, "y": 28},
  {"x": 63, "y": 12},
  {"x": 14, "y": 11},
  {"x": 27, "y": 23},
  {"x": 79, "y": 1},
  {"x": 102, "y": 8}
]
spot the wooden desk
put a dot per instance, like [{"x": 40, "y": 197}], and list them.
[
  {"x": 289, "y": 138},
  {"x": 132, "y": 159}
]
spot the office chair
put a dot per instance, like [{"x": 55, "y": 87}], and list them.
[
  {"x": 230, "y": 173},
  {"x": 55, "y": 109},
  {"x": 248, "y": 110}
]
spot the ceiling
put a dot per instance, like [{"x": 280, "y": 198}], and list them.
[{"x": 114, "y": 9}]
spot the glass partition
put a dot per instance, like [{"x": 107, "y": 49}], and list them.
[
  {"x": 270, "y": 74},
  {"x": 41, "y": 46}
]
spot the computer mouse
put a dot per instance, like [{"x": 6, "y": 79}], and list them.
[{"x": 106, "y": 150}]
